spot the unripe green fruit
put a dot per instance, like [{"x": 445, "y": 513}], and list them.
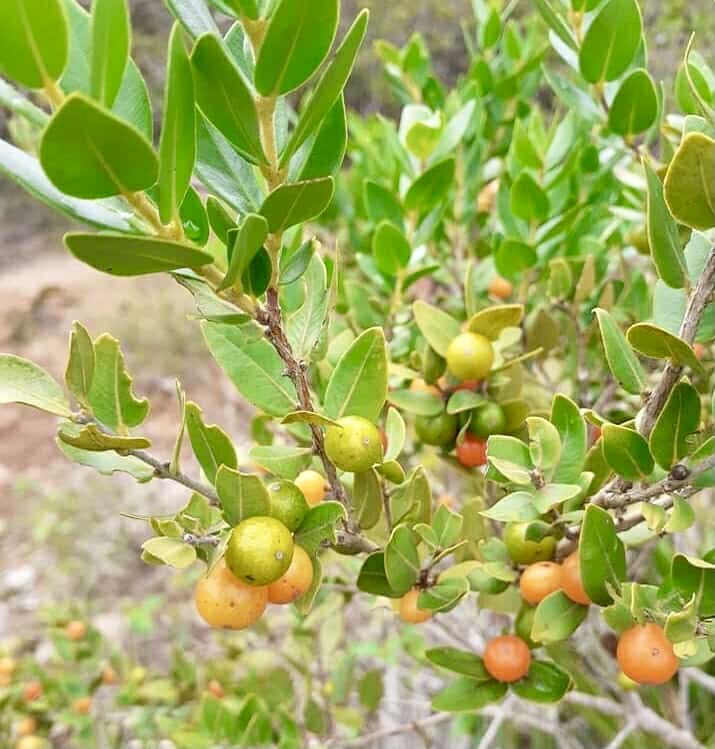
[
  {"x": 354, "y": 445},
  {"x": 260, "y": 550},
  {"x": 470, "y": 356},
  {"x": 487, "y": 420},
  {"x": 437, "y": 430},
  {"x": 288, "y": 503},
  {"x": 526, "y": 552}
]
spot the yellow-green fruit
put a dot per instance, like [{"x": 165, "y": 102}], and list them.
[
  {"x": 487, "y": 420},
  {"x": 470, "y": 356},
  {"x": 260, "y": 550},
  {"x": 526, "y": 552},
  {"x": 32, "y": 742},
  {"x": 288, "y": 504},
  {"x": 354, "y": 444}
]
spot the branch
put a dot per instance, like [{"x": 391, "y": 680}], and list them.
[{"x": 697, "y": 303}]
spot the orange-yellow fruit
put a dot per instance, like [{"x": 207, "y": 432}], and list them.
[
  {"x": 486, "y": 200},
  {"x": 32, "y": 691},
  {"x": 82, "y": 705},
  {"x": 472, "y": 452},
  {"x": 8, "y": 665},
  {"x": 296, "y": 580},
  {"x": 500, "y": 288},
  {"x": 646, "y": 655},
  {"x": 507, "y": 658},
  {"x": 538, "y": 580},
  {"x": 571, "y": 580},
  {"x": 447, "y": 500},
  {"x": 26, "y": 727},
  {"x": 699, "y": 350},
  {"x": 418, "y": 385},
  {"x": 5, "y": 680},
  {"x": 312, "y": 484},
  {"x": 214, "y": 687},
  {"x": 223, "y": 600},
  {"x": 32, "y": 742},
  {"x": 109, "y": 676},
  {"x": 408, "y": 610},
  {"x": 76, "y": 630}
]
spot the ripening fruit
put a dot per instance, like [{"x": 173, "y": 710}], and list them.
[
  {"x": 259, "y": 550},
  {"x": 109, "y": 676},
  {"x": 312, "y": 484},
  {"x": 699, "y": 350},
  {"x": 472, "y": 452},
  {"x": 296, "y": 580},
  {"x": 214, "y": 687},
  {"x": 437, "y": 430},
  {"x": 571, "y": 580},
  {"x": 539, "y": 580},
  {"x": 487, "y": 420},
  {"x": 470, "y": 356},
  {"x": 25, "y": 727},
  {"x": 486, "y": 200},
  {"x": 5, "y": 680},
  {"x": 418, "y": 385},
  {"x": 82, "y": 705},
  {"x": 500, "y": 288},
  {"x": 32, "y": 691},
  {"x": 355, "y": 445},
  {"x": 223, "y": 600},
  {"x": 646, "y": 655},
  {"x": 409, "y": 611},
  {"x": 507, "y": 658},
  {"x": 522, "y": 551},
  {"x": 32, "y": 742},
  {"x": 288, "y": 504},
  {"x": 76, "y": 630},
  {"x": 8, "y": 665}
]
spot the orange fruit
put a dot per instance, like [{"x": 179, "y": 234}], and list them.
[
  {"x": 500, "y": 288},
  {"x": 312, "y": 484},
  {"x": 646, "y": 655},
  {"x": 538, "y": 580},
  {"x": 507, "y": 658},
  {"x": 296, "y": 580},
  {"x": 571, "y": 580},
  {"x": 409, "y": 611},
  {"x": 76, "y": 630},
  {"x": 472, "y": 452}
]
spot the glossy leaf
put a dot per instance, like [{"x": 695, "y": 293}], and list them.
[
  {"x": 109, "y": 52},
  {"x": 430, "y": 187},
  {"x": 382, "y": 204},
  {"x": 121, "y": 255},
  {"x": 622, "y": 362},
  {"x": 634, "y": 108},
  {"x": 307, "y": 323},
  {"x": 87, "y": 152},
  {"x": 297, "y": 40},
  {"x": 318, "y": 526},
  {"x": 367, "y": 499},
  {"x": 396, "y": 431},
  {"x": 22, "y": 381},
  {"x": 372, "y": 577},
  {"x": 460, "y": 661},
  {"x": 282, "y": 460},
  {"x": 296, "y": 203},
  {"x": 242, "y": 495},
  {"x": 545, "y": 683},
  {"x": 245, "y": 241},
  {"x": 326, "y": 152},
  {"x": 679, "y": 419},
  {"x": 211, "y": 445},
  {"x": 689, "y": 189},
  {"x": 33, "y": 41},
  {"x": 602, "y": 556},
  {"x": 194, "y": 16},
  {"x": 571, "y": 426},
  {"x": 626, "y": 452},
  {"x": 650, "y": 340},
  {"x": 529, "y": 201},
  {"x": 467, "y": 694},
  {"x": 438, "y": 327},
  {"x": 390, "y": 249},
  {"x": 358, "y": 384},
  {"x": 402, "y": 563},
  {"x": 490, "y": 322}
]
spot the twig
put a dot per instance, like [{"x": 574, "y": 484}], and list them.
[{"x": 622, "y": 736}]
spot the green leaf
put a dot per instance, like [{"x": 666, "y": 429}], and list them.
[
  {"x": 418, "y": 403},
  {"x": 447, "y": 526},
  {"x": 390, "y": 249},
  {"x": 371, "y": 690},
  {"x": 528, "y": 199},
  {"x": 325, "y": 152},
  {"x": 402, "y": 562},
  {"x": 305, "y": 326},
  {"x": 91, "y": 438},
  {"x": 33, "y": 41},
  {"x": 602, "y": 556},
  {"x": 567, "y": 418},
  {"x": 305, "y": 603},
  {"x": 358, "y": 384},
  {"x": 281, "y": 460},
  {"x": 109, "y": 51},
  {"x": 545, "y": 683},
  {"x": 121, "y": 255},
  {"x": 689, "y": 188},
  {"x": 622, "y": 362},
  {"x": 431, "y": 187},
  {"x": 87, "y": 152},
  {"x": 224, "y": 97},
  {"x": 513, "y": 257},
  {"x": 556, "y": 618},
  {"x": 438, "y": 327},
  {"x": 515, "y": 507},
  {"x": 411, "y": 502},
  {"x": 318, "y": 526},
  {"x": 468, "y": 694},
  {"x": 194, "y": 16},
  {"x": 372, "y": 578},
  {"x": 694, "y": 577},
  {"x": 245, "y": 241},
  {"x": 626, "y": 452},
  {"x": 328, "y": 88},
  {"x": 109, "y": 462},
  {"x": 556, "y": 23},
  {"x": 679, "y": 419},
  {"x": 396, "y": 431},
  {"x": 367, "y": 499},
  {"x": 308, "y": 417},
  {"x": 382, "y": 204},
  {"x": 171, "y": 551},
  {"x": 242, "y": 495},
  {"x": 211, "y": 445},
  {"x": 681, "y": 518},
  {"x": 463, "y": 400},
  {"x": 634, "y": 108},
  {"x": 21, "y": 381},
  {"x": 111, "y": 395},
  {"x": 611, "y": 41},
  {"x": 551, "y": 495},
  {"x": 460, "y": 661},
  {"x": 80, "y": 365},
  {"x": 298, "y": 39},
  {"x": 177, "y": 147},
  {"x": 253, "y": 366},
  {"x": 545, "y": 443},
  {"x": 663, "y": 235},
  {"x": 297, "y": 202},
  {"x": 650, "y": 340},
  {"x": 445, "y": 595},
  {"x": 492, "y": 321}
]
